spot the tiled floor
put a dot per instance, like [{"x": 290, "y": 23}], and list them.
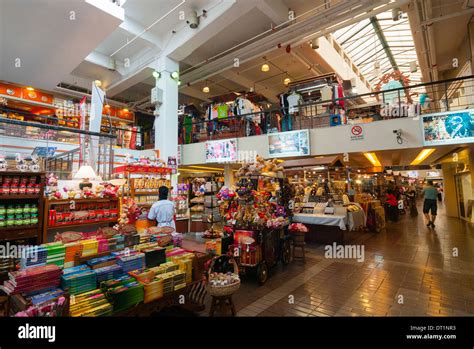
[{"x": 409, "y": 270}]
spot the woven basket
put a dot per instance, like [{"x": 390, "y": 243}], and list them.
[{"x": 227, "y": 290}]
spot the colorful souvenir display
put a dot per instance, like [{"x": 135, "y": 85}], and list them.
[
  {"x": 123, "y": 293},
  {"x": 78, "y": 280},
  {"x": 109, "y": 272},
  {"x": 92, "y": 303},
  {"x": 131, "y": 262},
  {"x": 34, "y": 279}
]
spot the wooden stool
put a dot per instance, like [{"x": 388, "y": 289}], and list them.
[
  {"x": 222, "y": 303},
  {"x": 298, "y": 241}
]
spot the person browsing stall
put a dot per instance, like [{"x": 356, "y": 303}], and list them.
[{"x": 163, "y": 210}]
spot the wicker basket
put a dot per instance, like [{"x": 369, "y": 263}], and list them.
[{"x": 227, "y": 290}]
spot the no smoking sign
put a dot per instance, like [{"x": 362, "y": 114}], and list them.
[{"x": 357, "y": 133}]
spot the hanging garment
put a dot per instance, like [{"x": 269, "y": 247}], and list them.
[
  {"x": 293, "y": 101},
  {"x": 214, "y": 112},
  {"x": 257, "y": 118},
  {"x": 222, "y": 111},
  {"x": 284, "y": 103},
  {"x": 188, "y": 129},
  {"x": 244, "y": 107}
]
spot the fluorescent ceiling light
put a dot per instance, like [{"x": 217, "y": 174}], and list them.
[
  {"x": 373, "y": 159},
  {"x": 207, "y": 168},
  {"x": 319, "y": 168},
  {"x": 422, "y": 155}
]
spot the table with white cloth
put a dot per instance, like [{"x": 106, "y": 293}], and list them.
[{"x": 321, "y": 219}]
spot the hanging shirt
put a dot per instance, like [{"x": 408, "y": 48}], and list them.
[
  {"x": 163, "y": 212},
  {"x": 214, "y": 113},
  {"x": 222, "y": 111},
  {"x": 257, "y": 118},
  {"x": 244, "y": 106},
  {"x": 293, "y": 100}
]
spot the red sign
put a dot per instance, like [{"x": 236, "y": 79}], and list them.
[
  {"x": 145, "y": 169},
  {"x": 356, "y": 130}
]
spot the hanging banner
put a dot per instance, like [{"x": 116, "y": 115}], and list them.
[
  {"x": 95, "y": 121},
  {"x": 82, "y": 126}
]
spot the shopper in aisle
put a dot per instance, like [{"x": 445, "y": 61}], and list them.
[
  {"x": 411, "y": 196},
  {"x": 163, "y": 211},
  {"x": 430, "y": 193}
]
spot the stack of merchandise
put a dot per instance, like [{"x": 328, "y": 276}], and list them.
[
  {"x": 132, "y": 239},
  {"x": 179, "y": 279},
  {"x": 90, "y": 247},
  {"x": 56, "y": 253},
  {"x": 144, "y": 239},
  {"x": 165, "y": 268},
  {"x": 142, "y": 246},
  {"x": 103, "y": 245},
  {"x": 72, "y": 249},
  {"x": 46, "y": 296},
  {"x": 119, "y": 242},
  {"x": 92, "y": 303},
  {"x": 101, "y": 262},
  {"x": 123, "y": 293},
  {"x": 34, "y": 279},
  {"x": 112, "y": 244},
  {"x": 33, "y": 256},
  {"x": 143, "y": 276},
  {"x": 108, "y": 273},
  {"x": 161, "y": 239},
  {"x": 6, "y": 264},
  {"x": 185, "y": 263},
  {"x": 168, "y": 286},
  {"x": 173, "y": 252},
  {"x": 78, "y": 279},
  {"x": 153, "y": 290},
  {"x": 154, "y": 256},
  {"x": 131, "y": 262}
]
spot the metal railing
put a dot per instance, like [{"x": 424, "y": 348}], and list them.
[{"x": 410, "y": 101}]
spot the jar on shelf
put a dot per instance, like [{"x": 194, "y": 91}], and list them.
[
  {"x": 26, "y": 219},
  {"x": 34, "y": 218},
  {"x": 3, "y": 210},
  {"x": 10, "y": 220},
  {"x": 27, "y": 208},
  {"x": 19, "y": 209}
]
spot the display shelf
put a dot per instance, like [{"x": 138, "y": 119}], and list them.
[
  {"x": 20, "y": 196},
  {"x": 78, "y": 260},
  {"x": 82, "y": 224},
  {"x": 145, "y": 192},
  {"x": 67, "y": 201},
  {"x": 20, "y": 227}
]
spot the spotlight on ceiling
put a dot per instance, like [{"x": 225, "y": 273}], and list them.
[
  {"x": 314, "y": 44},
  {"x": 193, "y": 20},
  {"x": 265, "y": 67},
  {"x": 174, "y": 75},
  {"x": 205, "y": 89},
  {"x": 397, "y": 14},
  {"x": 156, "y": 74},
  {"x": 287, "y": 81}
]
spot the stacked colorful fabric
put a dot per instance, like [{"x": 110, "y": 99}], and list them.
[
  {"x": 56, "y": 253},
  {"x": 109, "y": 272},
  {"x": 103, "y": 245},
  {"x": 101, "y": 262},
  {"x": 72, "y": 249},
  {"x": 33, "y": 279},
  {"x": 123, "y": 292},
  {"x": 119, "y": 242},
  {"x": 6, "y": 264},
  {"x": 78, "y": 279},
  {"x": 46, "y": 296},
  {"x": 165, "y": 268},
  {"x": 92, "y": 303},
  {"x": 89, "y": 247},
  {"x": 33, "y": 256},
  {"x": 131, "y": 262}
]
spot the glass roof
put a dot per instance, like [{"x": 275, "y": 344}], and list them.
[{"x": 363, "y": 46}]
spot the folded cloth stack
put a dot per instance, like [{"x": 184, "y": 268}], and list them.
[
  {"x": 185, "y": 264},
  {"x": 131, "y": 262},
  {"x": 103, "y": 245},
  {"x": 34, "y": 279},
  {"x": 92, "y": 303},
  {"x": 107, "y": 273},
  {"x": 56, "y": 253},
  {"x": 165, "y": 268},
  {"x": 101, "y": 262},
  {"x": 6, "y": 264},
  {"x": 33, "y": 256},
  {"x": 173, "y": 281},
  {"x": 112, "y": 244},
  {"x": 47, "y": 296},
  {"x": 72, "y": 249},
  {"x": 123, "y": 292},
  {"x": 142, "y": 246},
  {"x": 89, "y": 247},
  {"x": 133, "y": 239},
  {"x": 153, "y": 290},
  {"x": 78, "y": 279}
]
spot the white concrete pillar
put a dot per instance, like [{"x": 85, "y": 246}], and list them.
[{"x": 166, "y": 123}]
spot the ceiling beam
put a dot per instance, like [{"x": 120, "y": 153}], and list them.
[
  {"x": 386, "y": 47},
  {"x": 192, "y": 92},
  {"x": 132, "y": 27},
  {"x": 105, "y": 61},
  {"x": 247, "y": 83}
]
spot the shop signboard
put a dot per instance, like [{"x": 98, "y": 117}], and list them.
[
  {"x": 224, "y": 150},
  {"x": 448, "y": 128},
  {"x": 291, "y": 143},
  {"x": 44, "y": 152},
  {"x": 172, "y": 164}
]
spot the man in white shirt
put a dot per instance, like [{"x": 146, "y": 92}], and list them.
[{"x": 163, "y": 211}]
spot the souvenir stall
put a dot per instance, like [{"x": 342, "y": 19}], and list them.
[{"x": 257, "y": 212}]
